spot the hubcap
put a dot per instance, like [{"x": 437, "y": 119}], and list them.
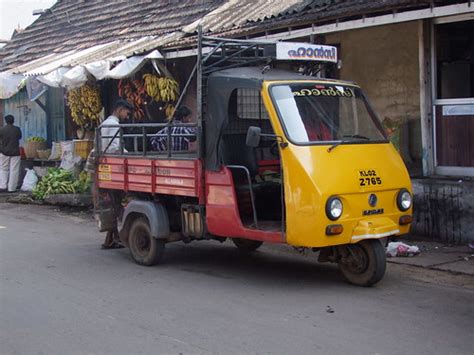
[
  {"x": 357, "y": 260},
  {"x": 142, "y": 243}
]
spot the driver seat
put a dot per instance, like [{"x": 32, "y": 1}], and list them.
[{"x": 236, "y": 152}]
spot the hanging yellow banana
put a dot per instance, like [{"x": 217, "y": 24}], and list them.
[
  {"x": 85, "y": 104},
  {"x": 161, "y": 88}
]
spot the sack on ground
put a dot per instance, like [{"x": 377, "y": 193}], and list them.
[
  {"x": 91, "y": 162},
  {"x": 66, "y": 147},
  {"x": 69, "y": 161},
  {"x": 56, "y": 151},
  {"x": 30, "y": 180}
]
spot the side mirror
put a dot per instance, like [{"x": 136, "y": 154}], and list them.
[{"x": 253, "y": 136}]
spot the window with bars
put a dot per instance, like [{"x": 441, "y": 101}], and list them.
[{"x": 250, "y": 105}]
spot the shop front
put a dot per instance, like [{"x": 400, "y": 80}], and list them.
[{"x": 444, "y": 198}]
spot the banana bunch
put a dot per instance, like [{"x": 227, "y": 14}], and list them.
[
  {"x": 83, "y": 182},
  {"x": 161, "y": 89},
  {"x": 36, "y": 139},
  {"x": 134, "y": 92},
  {"x": 85, "y": 104},
  {"x": 57, "y": 181},
  {"x": 169, "y": 89},
  {"x": 64, "y": 187},
  {"x": 152, "y": 86},
  {"x": 169, "y": 111}
]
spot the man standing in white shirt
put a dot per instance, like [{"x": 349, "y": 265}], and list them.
[{"x": 110, "y": 142}]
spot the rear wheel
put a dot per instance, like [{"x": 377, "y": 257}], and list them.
[
  {"x": 145, "y": 249},
  {"x": 246, "y": 244},
  {"x": 363, "y": 263}
]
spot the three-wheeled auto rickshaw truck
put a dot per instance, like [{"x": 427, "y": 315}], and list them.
[{"x": 280, "y": 157}]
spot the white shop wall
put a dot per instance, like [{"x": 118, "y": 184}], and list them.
[{"x": 384, "y": 61}]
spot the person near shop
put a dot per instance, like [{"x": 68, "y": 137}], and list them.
[
  {"x": 110, "y": 142},
  {"x": 181, "y": 135},
  {"x": 10, "y": 136}
]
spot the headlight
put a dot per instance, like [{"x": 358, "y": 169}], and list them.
[
  {"x": 404, "y": 200},
  {"x": 333, "y": 208}
]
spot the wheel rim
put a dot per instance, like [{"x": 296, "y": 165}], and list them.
[
  {"x": 142, "y": 242},
  {"x": 357, "y": 261}
]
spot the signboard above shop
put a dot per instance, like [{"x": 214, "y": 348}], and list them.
[{"x": 306, "y": 51}]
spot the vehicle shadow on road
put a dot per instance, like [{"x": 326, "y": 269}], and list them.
[{"x": 263, "y": 266}]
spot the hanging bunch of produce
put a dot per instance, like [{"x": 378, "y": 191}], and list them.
[
  {"x": 85, "y": 104},
  {"x": 169, "y": 111},
  {"x": 134, "y": 92},
  {"x": 162, "y": 89}
]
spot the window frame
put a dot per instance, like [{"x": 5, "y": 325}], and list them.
[{"x": 444, "y": 169}]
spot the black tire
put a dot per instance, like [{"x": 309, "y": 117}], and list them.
[
  {"x": 145, "y": 249},
  {"x": 365, "y": 263},
  {"x": 246, "y": 244}
]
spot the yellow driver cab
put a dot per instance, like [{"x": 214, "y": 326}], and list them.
[{"x": 344, "y": 182}]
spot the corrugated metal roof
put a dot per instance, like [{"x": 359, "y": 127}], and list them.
[
  {"x": 234, "y": 13},
  {"x": 321, "y": 11}
]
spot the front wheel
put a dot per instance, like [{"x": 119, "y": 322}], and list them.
[
  {"x": 363, "y": 264},
  {"x": 246, "y": 244},
  {"x": 145, "y": 249}
]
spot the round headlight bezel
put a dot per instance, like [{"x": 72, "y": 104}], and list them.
[
  {"x": 401, "y": 198},
  {"x": 330, "y": 208}
]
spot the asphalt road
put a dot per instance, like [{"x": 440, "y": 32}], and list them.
[{"x": 61, "y": 294}]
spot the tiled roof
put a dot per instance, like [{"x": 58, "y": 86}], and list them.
[{"x": 80, "y": 24}]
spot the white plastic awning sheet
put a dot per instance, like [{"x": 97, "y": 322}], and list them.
[
  {"x": 131, "y": 65},
  {"x": 76, "y": 76},
  {"x": 9, "y": 84},
  {"x": 54, "y": 78},
  {"x": 98, "y": 69}
]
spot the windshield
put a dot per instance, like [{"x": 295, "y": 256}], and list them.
[{"x": 315, "y": 113}]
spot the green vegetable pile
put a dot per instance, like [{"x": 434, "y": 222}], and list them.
[
  {"x": 60, "y": 181},
  {"x": 83, "y": 183},
  {"x": 36, "y": 139}
]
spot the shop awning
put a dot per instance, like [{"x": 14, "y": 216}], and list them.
[
  {"x": 115, "y": 60},
  {"x": 78, "y": 75}
]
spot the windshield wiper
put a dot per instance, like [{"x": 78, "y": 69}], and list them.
[
  {"x": 356, "y": 136},
  {"x": 344, "y": 141}
]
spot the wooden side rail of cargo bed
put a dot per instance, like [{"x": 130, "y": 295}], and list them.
[{"x": 181, "y": 177}]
